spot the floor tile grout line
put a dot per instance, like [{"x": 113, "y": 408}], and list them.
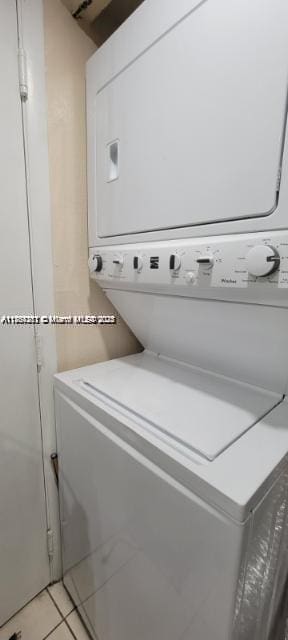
[
  {"x": 52, "y": 630},
  {"x": 58, "y": 608},
  {"x": 22, "y": 608},
  {"x": 77, "y": 613},
  {"x": 65, "y": 618},
  {"x": 84, "y": 625},
  {"x": 55, "y": 605},
  {"x": 62, "y": 620},
  {"x": 70, "y": 629},
  {"x": 74, "y": 606}
]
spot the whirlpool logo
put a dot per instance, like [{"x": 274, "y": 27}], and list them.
[{"x": 228, "y": 281}]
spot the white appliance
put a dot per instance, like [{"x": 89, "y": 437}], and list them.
[
  {"x": 174, "y": 461},
  {"x": 187, "y": 113}
]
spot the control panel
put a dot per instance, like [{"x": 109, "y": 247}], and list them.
[{"x": 250, "y": 267}]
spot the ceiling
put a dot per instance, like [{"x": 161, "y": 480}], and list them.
[{"x": 102, "y": 17}]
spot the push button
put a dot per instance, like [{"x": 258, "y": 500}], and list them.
[{"x": 190, "y": 277}]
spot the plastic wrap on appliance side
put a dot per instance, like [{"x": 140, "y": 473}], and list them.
[{"x": 261, "y": 611}]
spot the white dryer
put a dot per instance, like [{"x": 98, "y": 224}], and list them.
[
  {"x": 187, "y": 114},
  {"x": 173, "y": 462}
]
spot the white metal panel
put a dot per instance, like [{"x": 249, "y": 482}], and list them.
[
  {"x": 199, "y": 119},
  {"x": 35, "y": 116},
  {"x": 226, "y": 276},
  {"x": 245, "y": 342},
  {"x": 24, "y": 565},
  {"x": 203, "y": 412},
  {"x": 141, "y": 553}
]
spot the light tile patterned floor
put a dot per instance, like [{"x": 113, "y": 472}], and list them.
[{"x": 51, "y": 615}]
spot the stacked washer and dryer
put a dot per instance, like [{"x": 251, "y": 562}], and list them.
[{"x": 173, "y": 461}]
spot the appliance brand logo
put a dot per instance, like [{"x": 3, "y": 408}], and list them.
[{"x": 228, "y": 281}]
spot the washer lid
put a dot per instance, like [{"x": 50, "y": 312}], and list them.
[{"x": 201, "y": 411}]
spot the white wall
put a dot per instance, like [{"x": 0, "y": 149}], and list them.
[{"x": 66, "y": 50}]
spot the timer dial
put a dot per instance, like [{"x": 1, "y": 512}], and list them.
[
  {"x": 263, "y": 260},
  {"x": 95, "y": 263}
]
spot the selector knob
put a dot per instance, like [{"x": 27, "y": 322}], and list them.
[
  {"x": 119, "y": 262},
  {"x": 263, "y": 260},
  {"x": 137, "y": 263},
  {"x": 95, "y": 263},
  {"x": 174, "y": 262},
  {"x": 206, "y": 260}
]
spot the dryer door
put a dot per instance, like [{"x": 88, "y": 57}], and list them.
[{"x": 191, "y": 131}]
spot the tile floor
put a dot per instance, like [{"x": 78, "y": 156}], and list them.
[{"x": 50, "y": 615}]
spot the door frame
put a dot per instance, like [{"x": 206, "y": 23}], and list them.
[{"x": 35, "y": 138}]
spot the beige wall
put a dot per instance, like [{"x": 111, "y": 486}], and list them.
[{"x": 67, "y": 49}]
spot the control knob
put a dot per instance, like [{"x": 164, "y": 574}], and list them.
[
  {"x": 95, "y": 263},
  {"x": 119, "y": 262},
  {"x": 174, "y": 262},
  {"x": 206, "y": 260},
  {"x": 137, "y": 263},
  {"x": 263, "y": 260}
]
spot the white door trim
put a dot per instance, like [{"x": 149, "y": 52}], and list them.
[{"x": 31, "y": 36}]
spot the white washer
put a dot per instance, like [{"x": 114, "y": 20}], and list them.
[{"x": 173, "y": 500}]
